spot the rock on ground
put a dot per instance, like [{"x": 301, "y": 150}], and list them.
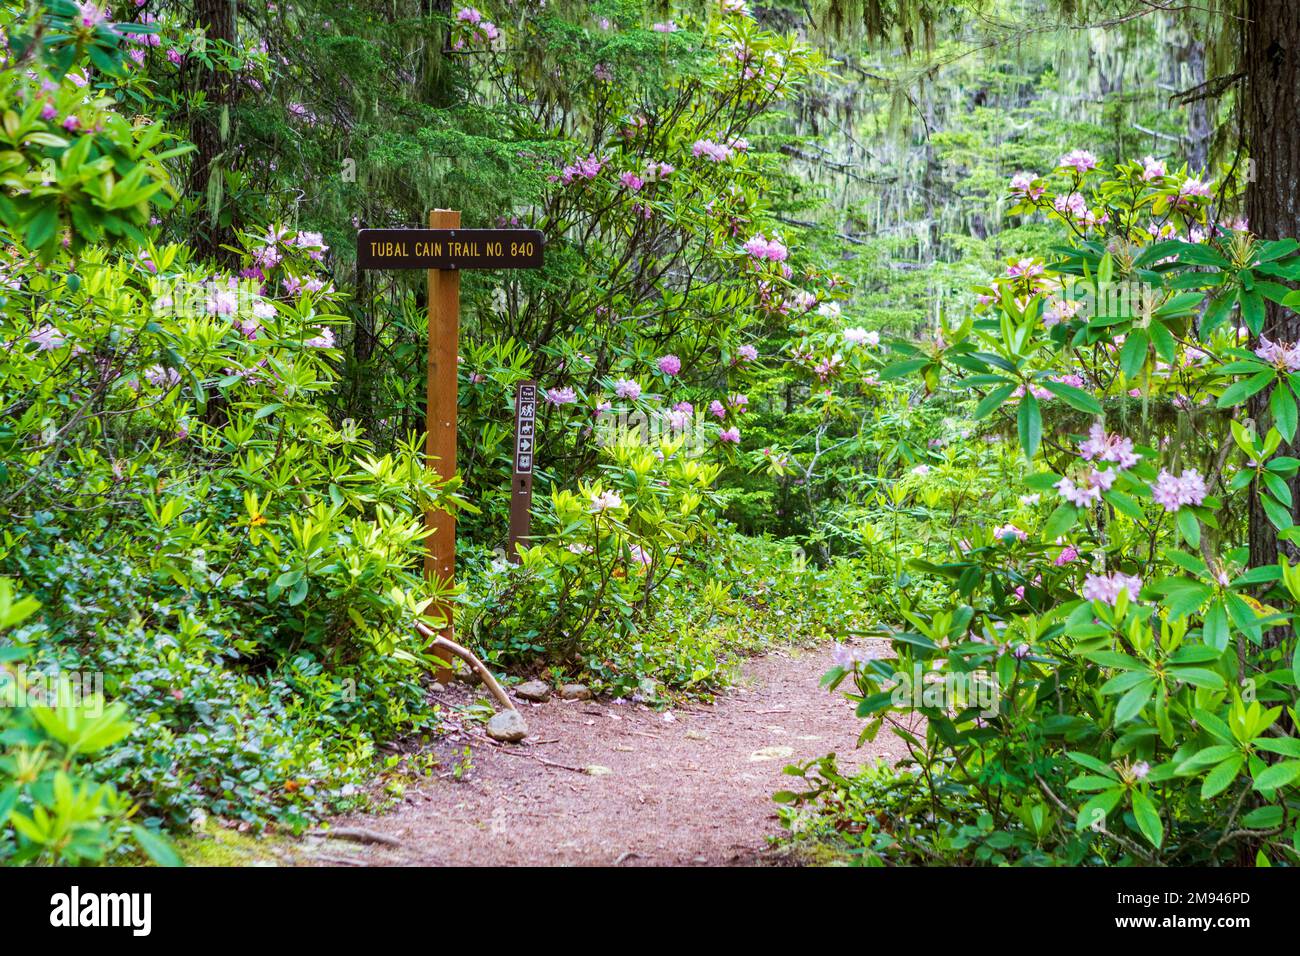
[{"x": 507, "y": 725}]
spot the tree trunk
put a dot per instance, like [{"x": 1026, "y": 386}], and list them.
[
  {"x": 1199, "y": 129},
  {"x": 1271, "y": 109},
  {"x": 218, "y": 18}
]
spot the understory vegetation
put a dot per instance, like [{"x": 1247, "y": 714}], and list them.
[{"x": 969, "y": 345}]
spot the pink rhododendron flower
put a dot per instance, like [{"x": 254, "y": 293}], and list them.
[
  {"x": 323, "y": 339},
  {"x": 1068, "y": 553},
  {"x": 1009, "y": 530},
  {"x": 670, "y": 365},
  {"x": 717, "y": 152},
  {"x": 91, "y": 14},
  {"x": 561, "y": 396},
  {"x": 587, "y": 168},
  {"x": 1103, "y": 447},
  {"x": 1080, "y": 160},
  {"x": 1108, "y": 587},
  {"x": 162, "y": 376},
  {"x": 1025, "y": 268},
  {"x": 47, "y": 337},
  {"x": 606, "y": 500},
  {"x": 1173, "y": 493},
  {"x": 1284, "y": 355},
  {"x": 717, "y": 408},
  {"x": 678, "y": 420},
  {"x": 1023, "y": 183},
  {"x": 632, "y": 181},
  {"x": 1153, "y": 168},
  {"x": 627, "y": 388},
  {"x": 1194, "y": 189},
  {"x": 731, "y": 435},
  {"x": 760, "y": 247},
  {"x": 1073, "y": 206},
  {"x": 1088, "y": 489},
  {"x": 656, "y": 171},
  {"x": 828, "y": 367}
]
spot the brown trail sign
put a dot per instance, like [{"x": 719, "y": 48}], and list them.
[
  {"x": 444, "y": 249},
  {"x": 521, "y": 486}
]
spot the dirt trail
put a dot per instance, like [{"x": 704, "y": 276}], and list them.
[{"x": 690, "y": 786}]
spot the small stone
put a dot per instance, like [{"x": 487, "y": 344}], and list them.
[
  {"x": 436, "y": 687},
  {"x": 772, "y": 753},
  {"x": 596, "y": 770},
  {"x": 575, "y": 692},
  {"x": 508, "y": 726},
  {"x": 696, "y": 735},
  {"x": 535, "y": 690}
]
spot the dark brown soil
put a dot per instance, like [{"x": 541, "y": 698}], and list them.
[{"x": 601, "y": 783}]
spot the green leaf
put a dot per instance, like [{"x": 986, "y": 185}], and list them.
[
  {"x": 1074, "y": 397},
  {"x": 1060, "y": 521},
  {"x": 902, "y": 369},
  {"x": 1222, "y": 776},
  {"x": 1252, "y": 310},
  {"x": 1148, "y": 818},
  {"x": 1029, "y": 423},
  {"x": 1092, "y": 815},
  {"x": 993, "y": 400},
  {"x": 1199, "y": 677},
  {"x": 156, "y": 846},
  {"x": 1278, "y": 775},
  {"x": 1282, "y": 404},
  {"x": 1238, "y": 392},
  {"x": 1215, "y": 630},
  {"x": 1131, "y": 704},
  {"x": 1134, "y": 354},
  {"x": 1217, "y": 312}
]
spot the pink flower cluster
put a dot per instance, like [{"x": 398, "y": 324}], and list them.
[
  {"x": 480, "y": 29},
  {"x": 670, "y": 365},
  {"x": 1153, "y": 168},
  {"x": 760, "y": 247},
  {"x": 90, "y": 14},
  {"x": 587, "y": 168},
  {"x": 1108, "y": 587},
  {"x": 1282, "y": 354},
  {"x": 1080, "y": 160},
  {"x": 717, "y": 152},
  {"x": 1087, "y": 489},
  {"x": 1009, "y": 531},
  {"x": 561, "y": 396},
  {"x": 1023, "y": 184},
  {"x": 1101, "y": 446},
  {"x": 1175, "y": 492}
]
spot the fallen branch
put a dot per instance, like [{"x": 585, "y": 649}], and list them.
[
  {"x": 468, "y": 656},
  {"x": 355, "y": 835}
]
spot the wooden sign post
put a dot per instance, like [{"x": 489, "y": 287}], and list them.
[
  {"x": 521, "y": 485},
  {"x": 444, "y": 249}
]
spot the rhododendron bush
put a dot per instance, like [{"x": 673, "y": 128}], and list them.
[{"x": 1146, "y": 671}]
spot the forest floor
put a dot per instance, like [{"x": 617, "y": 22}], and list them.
[{"x": 604, "y": 783}]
